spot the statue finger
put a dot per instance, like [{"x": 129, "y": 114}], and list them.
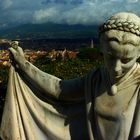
[
  {"x": 15, "y": 47},
  {"x": 12, "y": 50},
  {"x": 15, "y": 44},
  {"x": 11, "y": 54},
  {"x": 20, "y": 50}
]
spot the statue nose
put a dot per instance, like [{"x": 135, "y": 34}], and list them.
[{"x": 117, "y": 66}]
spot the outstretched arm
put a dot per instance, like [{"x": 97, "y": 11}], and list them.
[{"x": 53, "y": 86}]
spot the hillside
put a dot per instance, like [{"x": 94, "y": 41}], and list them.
[{"x": 49, "y": 30}]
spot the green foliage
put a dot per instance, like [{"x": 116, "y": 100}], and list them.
[
  {"x": 65, "y": 69},
  {"x": 42, "y": 60},
  {"x": 68, "y": 68},
  {"x": 3, "y": 85},
  {"x": 90, "y": 53},
  {"x": 4, "y": 70}
]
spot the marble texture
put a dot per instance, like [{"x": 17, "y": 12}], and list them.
[{"x": 103, "y": 105}]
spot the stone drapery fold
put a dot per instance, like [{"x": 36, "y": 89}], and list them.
[{"x": 27, "y": 117}]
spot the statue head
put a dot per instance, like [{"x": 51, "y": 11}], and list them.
[{"x": 120, "y": 43}]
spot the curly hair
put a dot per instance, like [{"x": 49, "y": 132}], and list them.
[{"x": 124, "y": 22}]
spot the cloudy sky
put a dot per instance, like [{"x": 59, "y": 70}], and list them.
[{"x": 85, "y": 12}]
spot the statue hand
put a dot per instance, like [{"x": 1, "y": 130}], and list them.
[{"x": 17, "y": 54}]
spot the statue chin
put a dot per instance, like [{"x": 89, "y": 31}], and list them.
[
  {"x": 115, "y": 77},
  {"x": 119, "y": 75}
]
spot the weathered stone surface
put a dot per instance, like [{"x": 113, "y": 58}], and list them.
[{"x": 103, "y": 105}]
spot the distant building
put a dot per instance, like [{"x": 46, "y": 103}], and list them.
[{"x": 92, "y": 44}]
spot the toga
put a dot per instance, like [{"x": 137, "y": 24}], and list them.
[{"x": 85, "y": 109}]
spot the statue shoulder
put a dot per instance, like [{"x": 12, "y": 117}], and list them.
[{"x": 95, "y": 73}]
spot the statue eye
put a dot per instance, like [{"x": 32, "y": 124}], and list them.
[{"x": 126, "y": 60}]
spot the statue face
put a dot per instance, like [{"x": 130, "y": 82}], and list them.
[{"x": 121, "y": 50}]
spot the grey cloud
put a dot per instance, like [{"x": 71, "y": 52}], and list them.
[
  {"x": 89, "y": 12},
  {"x": 132, "y": 1},
  {"x": 15, "y": 12},
  {"x": 66, "y": 2},
  {"x": 5, "y": 4},
  {"x": 62, "y": 11}
]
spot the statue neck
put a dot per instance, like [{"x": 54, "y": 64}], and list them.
[{"x": 116, "y": 81}]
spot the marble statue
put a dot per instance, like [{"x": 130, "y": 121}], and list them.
[{"x": 102, "y": 105}]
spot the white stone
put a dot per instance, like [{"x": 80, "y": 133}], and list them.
[{"x": 30, "y": 112}]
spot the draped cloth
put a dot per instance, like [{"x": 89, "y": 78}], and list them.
[
  {"x": 29, "y": 116},
  {"x": 113, "y": 117}
]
